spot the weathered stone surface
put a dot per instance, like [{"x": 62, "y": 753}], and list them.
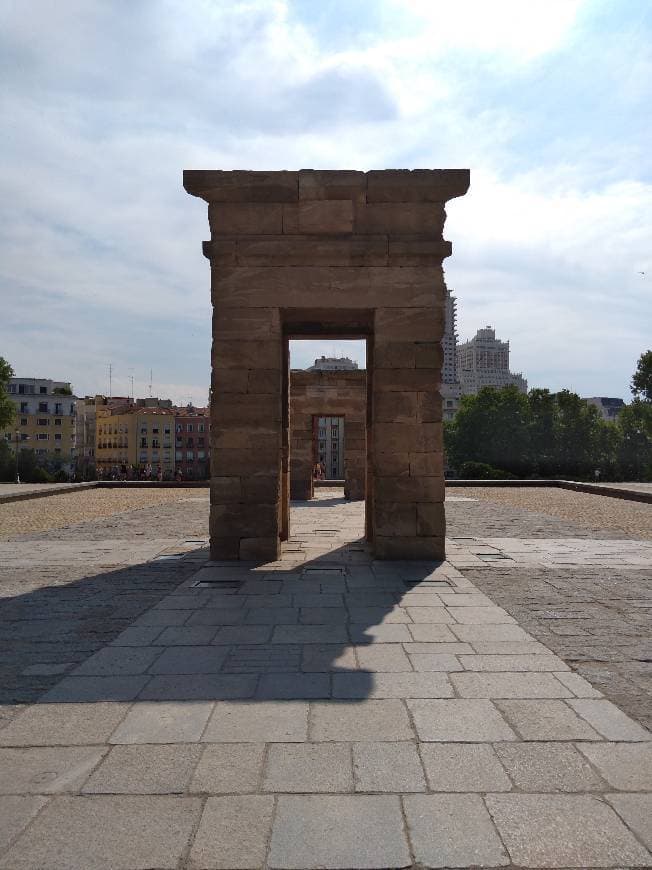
[
  {"x": 343, "y": 184},
  {"x": 453, "y": 831},
  {"x": 327, "y": 253},
  {"x": 318, "y": 216},
  {"x": 414, "y": 217},
  {"x": 338, "y": 831},
  {"x": 215, "y": 185},
  {"x": 98, "y": 832},
  {"x": 416, "y": 185},
  {"x": 246, "y": 218},
  {"x": 564, "y": 831},
  {"x": 233, "y": 832}
]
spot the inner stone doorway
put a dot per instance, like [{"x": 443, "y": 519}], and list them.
[
  {"x": 334, "y": 254},
  {"x": 339, "y": 396}
]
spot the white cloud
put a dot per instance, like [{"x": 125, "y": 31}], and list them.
[{"x": 107, "y": 106}]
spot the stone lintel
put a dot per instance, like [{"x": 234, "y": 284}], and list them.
[{"x": 377, "y": 186}]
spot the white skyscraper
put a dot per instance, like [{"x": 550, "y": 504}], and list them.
[
  {"x": 483, "y": 361},
  {"x": 450, "y": 385}
]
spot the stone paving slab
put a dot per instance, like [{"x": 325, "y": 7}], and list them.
[
  {"x": 564, "y": 831},
  {"x": 453, "y": 831},
  {"x": 105, "y": 833},
  {"x": 338, "y": 831},
  {"x": 394, "y": 716}
]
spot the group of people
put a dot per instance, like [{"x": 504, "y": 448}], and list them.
[{"x": 132, "y": 472}]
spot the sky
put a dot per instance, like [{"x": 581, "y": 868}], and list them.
[{"x": 105, "y": 102}]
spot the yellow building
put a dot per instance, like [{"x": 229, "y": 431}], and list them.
[
  {"x": 45, "y": 419},
  {"x": 134, "y": 438}
]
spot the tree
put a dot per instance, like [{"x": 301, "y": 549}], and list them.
[
  {"x": 7, "y": 407},
  {"x": 491, "y": 427},
  {"x": 578, "y": 435},
  {"x": 635, "y": 448},
  {"x": 642, "y": 379},
  {"x": 543, "y": 426}
]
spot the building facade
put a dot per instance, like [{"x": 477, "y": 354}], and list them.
[
  {"x": 333, "y": 364},
  {"x": 135, "y": 440},
  {"x": 609, "y": 408},
  {"x": 87, "y": 412},
  {"x": 483, "y": 361},
  {"x": 450, "y": 385},
  {"x": 46, "y": 420},
  {"x": 191, "y": 443}
]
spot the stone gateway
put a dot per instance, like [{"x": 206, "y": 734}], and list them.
[{"x": 327, "y": 254}]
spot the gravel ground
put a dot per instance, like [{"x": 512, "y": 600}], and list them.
[
  {"x": 59, "y": 511},
  {"x": 597, "y": 511}
]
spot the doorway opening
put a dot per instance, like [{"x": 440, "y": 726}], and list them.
[
  {"x": 328, "y": 449},
  {"x": 327, "y": 426}
]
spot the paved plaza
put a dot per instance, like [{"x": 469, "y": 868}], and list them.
[{"x": 325, "y": 710}]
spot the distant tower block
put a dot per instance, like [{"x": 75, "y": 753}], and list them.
[{"x": 333, "y": 255}]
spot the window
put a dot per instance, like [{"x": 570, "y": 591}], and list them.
[
  {"x": 23, "y": 436},
  {"x": 178, "y": 455},
  {"x": 143, "y": 430},
  {"x": 190, "y": 455},
  {"x": 72, "y": 409},
  {"x": 189, "y": 427},
  {"x": 190, "y": 443},
  {"x": 41, "y": 452},
  {"x": 154, "y": 455},
  {"x": 156, "y": 443},
  {"x": 42, "y": 436},
  {"x": 143, "y": 442},
  {"x": 12, "y": 388},
  {"x": 42, "y": 421},
  {"x": 57, "y": 450},
  {"x": 58, "y": 408},
  {"x": 58, "y": 422},
  {"x": 57, "y": 437},
  {"x": 43, "y": 391},
  {"x": 201, "y": 454},
  {"x": 200, "y": 427},
  {"x": 155, "y": 431},
  {"x": 200, "y": 442},
  {"x": 24, "y": 408},
  {"x": 43, "y": 407},
  {"x": 23, "y": 421},
  {"x": 179, "y": 427},
  {"x": 166, "y": 430}
]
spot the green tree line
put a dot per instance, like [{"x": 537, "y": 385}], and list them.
[{"x": 503, "y": 433}]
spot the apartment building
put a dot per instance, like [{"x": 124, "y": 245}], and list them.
[
  {"x": 135, "y": 437},
  {"x": 191, "y": 442},
  {"x": 46, "y": 420},
  {"x": 483, "y": 361}
]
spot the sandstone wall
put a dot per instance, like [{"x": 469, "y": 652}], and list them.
[
  {"x": 337, "y": 253},
  {"x": 336, "y": 394}
]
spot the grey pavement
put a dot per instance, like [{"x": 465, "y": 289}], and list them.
[{"x": 379, "y": 715}]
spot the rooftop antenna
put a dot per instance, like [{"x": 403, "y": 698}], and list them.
[
  {"x": 150, "y": 383},
  {"x": 131, "y": 378},
  {"x": 110, "y": 380}
]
